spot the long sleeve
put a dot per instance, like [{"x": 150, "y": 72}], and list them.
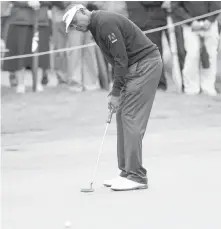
[
  {"x": 60, "y": 4},
  {"x": 179, "y": 11},
  {"x": 20, "y": 4},
  {"x": 152, "y": 3},
  {"x": 213, "y": 6},
  {"x": 114, "y": 42},
  {"x": 46, "y": 3}
]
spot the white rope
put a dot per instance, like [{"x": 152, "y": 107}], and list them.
[
  {"x": 48, "y": 52},
  {"x": 183, "y": 22},
  {"x": 93, "y": 44}
]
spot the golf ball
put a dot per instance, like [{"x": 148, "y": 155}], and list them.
[{"x": 67, "y": 224}]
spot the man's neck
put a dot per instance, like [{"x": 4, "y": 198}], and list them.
[
  {"x": 90, "y": 18},
  {"x": 89, "y": 15}
]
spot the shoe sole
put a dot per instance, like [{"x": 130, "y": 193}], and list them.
[
  {"x": 131, "y": 189},
  {"x": 107, "y": 186}
]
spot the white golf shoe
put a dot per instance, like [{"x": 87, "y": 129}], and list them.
[
  {"x": 126, "y": 185},
  {"x": 20, "y": 89},
  {"x": 39, "y": 88},
  {"x": 109, "y": 183},
  {"x": 211, "y": 92}
]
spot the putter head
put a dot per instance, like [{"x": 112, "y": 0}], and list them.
[{"x": 87, "y": 189}]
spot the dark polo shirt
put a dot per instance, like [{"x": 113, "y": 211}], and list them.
[{"x": 121, "y": 42}]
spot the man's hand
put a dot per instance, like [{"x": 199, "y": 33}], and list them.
[
  {"x": 206, "y": 24},
  {"x": 35, "y": 5},
  {"x": 2, "y": 45},
  {"x": 166, "y": 5},
  {"x": 113, "y": 103},
  {"x": 196, "y": 25}
]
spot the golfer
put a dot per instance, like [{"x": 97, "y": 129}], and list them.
[{"x": 137, "y": 70}]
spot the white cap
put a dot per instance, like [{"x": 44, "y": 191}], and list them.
[{"x": 69, "y": 15}]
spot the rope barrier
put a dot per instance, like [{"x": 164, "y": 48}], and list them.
[
  {"x": 49, "y": 52},
  {"x": 183, "y": 22},
  {"x": 93, "y": 44}
]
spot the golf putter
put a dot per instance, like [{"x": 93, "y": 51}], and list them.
[{"x": 111, "y": 111}]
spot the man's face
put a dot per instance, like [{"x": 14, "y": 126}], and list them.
[{"x": 80, "y": 21}]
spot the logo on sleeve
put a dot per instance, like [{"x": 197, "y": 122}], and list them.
[{"x": 112, "y": 37}]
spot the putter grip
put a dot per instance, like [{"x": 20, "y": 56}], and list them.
[{"x": 110, "y": 116}]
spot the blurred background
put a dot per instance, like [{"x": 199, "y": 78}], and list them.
[
  {"x": 36, "y": 26},
  {"x": 54, "y": 110}
]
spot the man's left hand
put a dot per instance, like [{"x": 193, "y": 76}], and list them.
[
  {"x": 206, "y": 24},
  {"x": 34, "y": 4},
  {"x": 166, "y": 5},
  {"x": 113, "y": 103}
]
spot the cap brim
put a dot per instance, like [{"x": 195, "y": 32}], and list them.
[{"x": 69, "y": 15}]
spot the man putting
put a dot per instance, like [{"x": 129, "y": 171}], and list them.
[{"x": 137, "y": 70}]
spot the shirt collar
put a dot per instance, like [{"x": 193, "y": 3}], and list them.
[{"x": 92, "y": 24}]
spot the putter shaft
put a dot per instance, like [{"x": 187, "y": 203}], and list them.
[
  {"x": 98, "y": 158},
  {"x": 101, "y": 147}
]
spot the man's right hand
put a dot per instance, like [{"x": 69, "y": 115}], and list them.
[
  {"x": 34, "y": 4},
  {"x": 196, "y": 25},
  {"x": 113, "y": 103},
  {"x": 166, "y": 5},
  {"x": 206, "y": 24}
]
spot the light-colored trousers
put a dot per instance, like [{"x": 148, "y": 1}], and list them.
[
  {"x": 195, "y": 77},
  {"x": 59, "y": 40},
  {"x": 82, "y": 63}
]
